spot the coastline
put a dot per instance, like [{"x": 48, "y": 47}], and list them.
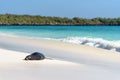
[
  {"x": 79, "y": 35},
  {"x": 56, "y": 25},
  {"x": 70, "y": 61},
  {"x": 49, "y": 47}
]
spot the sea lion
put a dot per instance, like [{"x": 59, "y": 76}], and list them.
[{"x": 35, "y": 56}]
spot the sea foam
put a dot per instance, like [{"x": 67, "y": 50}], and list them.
[{"x": 96, "y": 42}]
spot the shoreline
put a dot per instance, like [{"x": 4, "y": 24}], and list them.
[
  {"x": 70, "y": 61},
  {"x": 56, "y": 25},
  {"x": 80, "y": 36},
  {"x": 32, "y": 45},
  {"x": 92, "y": 42}
]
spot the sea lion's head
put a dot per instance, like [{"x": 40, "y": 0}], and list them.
[{"x": 28, "y": 57}]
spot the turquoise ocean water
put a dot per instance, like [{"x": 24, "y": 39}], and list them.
[{"x": 106, "y": 37}]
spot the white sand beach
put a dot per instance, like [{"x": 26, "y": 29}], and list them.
[{"x": 69, "y": 61}]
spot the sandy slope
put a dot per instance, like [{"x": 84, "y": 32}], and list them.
[
  {"x": 13, "y": 67},
  {"x": 70, "y": 61}
]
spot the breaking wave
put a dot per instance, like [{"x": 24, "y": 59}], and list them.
[{"x": 95, "y": 42}]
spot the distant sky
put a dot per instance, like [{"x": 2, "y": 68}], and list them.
[{"x": 62, "y": 8}]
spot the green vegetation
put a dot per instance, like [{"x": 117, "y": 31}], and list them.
[{"x": 9, "y": 19}]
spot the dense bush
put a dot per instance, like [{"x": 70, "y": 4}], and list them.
[{"x": 9, "y": 19}]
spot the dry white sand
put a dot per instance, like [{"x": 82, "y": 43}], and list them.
[{"x": 70, "y": 61}]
